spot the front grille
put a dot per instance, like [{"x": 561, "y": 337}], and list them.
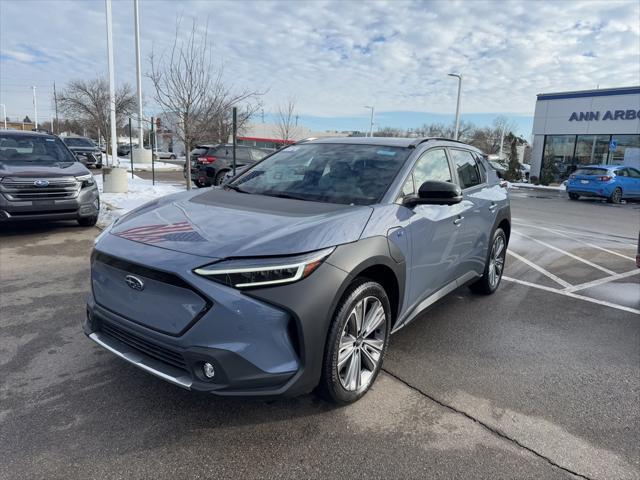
[
  {"x": 17, "y": 189},
  {"x": 143, "y": 345}
]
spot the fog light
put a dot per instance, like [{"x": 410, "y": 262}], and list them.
[{"x": 208, "y": 370}]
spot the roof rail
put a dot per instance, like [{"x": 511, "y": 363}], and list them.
[{"x": 419, "y": 141}]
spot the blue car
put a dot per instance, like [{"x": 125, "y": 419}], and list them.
[
  {"x": 613, "y": 182},
  {"x": 293, "y": 275}
]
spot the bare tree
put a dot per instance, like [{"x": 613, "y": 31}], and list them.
[
  {"x": 286, "y": 122},
  {"x": 87, "y": 102},
  {"x": 188, "y": 85}
]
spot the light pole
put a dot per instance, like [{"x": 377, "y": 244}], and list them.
[
  {"x": 112, "y": 95},
  {"x": 459, "y": 77},
  {"x": 35, "y": 106},
  {"x": 4, "y": 114},
  {"x": 138, "y": 75},
  {"x": 372, "y": 108}
]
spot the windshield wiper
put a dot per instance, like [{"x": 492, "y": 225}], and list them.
[{"x": 236, "y": 188}]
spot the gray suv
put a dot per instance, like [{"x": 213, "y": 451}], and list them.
[
  {"x": 292, "y": 276},
  {"x": 40, "y": 179}
]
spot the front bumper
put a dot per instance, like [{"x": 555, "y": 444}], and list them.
[
  {"x": 86, "y": 204},
  {"x": 263, "y": 342}
]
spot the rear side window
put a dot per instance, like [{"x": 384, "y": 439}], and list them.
[
  {"x": 467, "y": 167},
  {"x": 633, "y": 173},
  {"x": 591, "y": 171},
  {"x": 198, "y": 152},
  {"x": 218, "y": 152}
]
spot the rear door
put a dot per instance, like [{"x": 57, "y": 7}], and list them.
[
  {"x": 630, "y": 185},
  {"x": 634, "y": 180},
  {"x": 480, "y": 211}
]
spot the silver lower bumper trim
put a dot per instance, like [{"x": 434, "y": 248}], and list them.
[{"x": 139, "y": 360}]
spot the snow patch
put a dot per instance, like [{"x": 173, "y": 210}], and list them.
[{"x": 141, "y": 191}]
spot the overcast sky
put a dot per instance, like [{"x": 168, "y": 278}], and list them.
[{"x": 335, "y": 57}]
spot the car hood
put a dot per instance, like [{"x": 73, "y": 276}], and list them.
[
  {"x": 41, "y": 169},
  {"x": 83, "y": 149},
  {"x": 222, "y": 224}
]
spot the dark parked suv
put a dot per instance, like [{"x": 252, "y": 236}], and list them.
[
  {"x": 210, "y": 163},
  {"x": 87, "y": 152},
  {"x": 293, "y": 275},
  {"x": 40, "y": 179}
]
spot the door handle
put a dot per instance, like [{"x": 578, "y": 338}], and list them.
[
  {"x": 458, "y": 220},
  {"x": 493, "y": 206}
]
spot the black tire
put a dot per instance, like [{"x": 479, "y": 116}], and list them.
[
  {"x": 616, "y": 195},
  {"x": 331, "y": 383},
  {"x": 199, "y": 184},
  {"x": 88, "y": 221},
  {"x": 574, "y": 196},
  {"x": 487, "y": 284},
  {"x": 172, "y": 157},
  {"x": 219, "y": 179},
  {"x": 99, "y": 166}
]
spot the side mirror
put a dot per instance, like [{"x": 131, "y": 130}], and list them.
[{"x": 436, "y": 193}]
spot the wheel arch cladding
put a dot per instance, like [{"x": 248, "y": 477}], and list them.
[
  {"x": 370, "y": 258},
  {"x": 387, "y": 279}
]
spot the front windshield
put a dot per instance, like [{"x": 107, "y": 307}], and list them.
[
  {"x": 323, "y": 172},
  {"x": 78, "y": 142},
  {"x": 33, "y": 148}
]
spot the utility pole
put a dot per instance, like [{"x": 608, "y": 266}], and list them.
[
  {"x": 35, "y": 106},
  {"x": 372, "y": 108},
  {"x": 459, "y": 77},
  {"x": 138, "y": 75},
  {"x": 112, "y": 94},
  {"x": 55, "y": 101}
]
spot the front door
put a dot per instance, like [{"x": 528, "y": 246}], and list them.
[{"x": 434, "y": 231}]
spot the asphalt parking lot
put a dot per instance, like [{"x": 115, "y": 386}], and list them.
[{"x": 540, "y": 380}]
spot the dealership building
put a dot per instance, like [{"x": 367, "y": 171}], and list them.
[{"x": 587, "y": 127}]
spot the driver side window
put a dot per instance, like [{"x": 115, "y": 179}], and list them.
[{"x": 432, "y": 165}]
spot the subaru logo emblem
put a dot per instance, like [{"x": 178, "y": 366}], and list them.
[
  {"x": 134, "y": 282},
  {"x": 41, "y": 183}
]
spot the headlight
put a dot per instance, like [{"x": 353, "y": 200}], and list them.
[
  {"x": 87, "y": 180},
  {"x": 258, "y": 272}
]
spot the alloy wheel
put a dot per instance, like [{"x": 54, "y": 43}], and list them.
[
  {"x": 496, "y": 260},
  {"x": 616, "y": 196},
  {"x": 361, "y": 344}
]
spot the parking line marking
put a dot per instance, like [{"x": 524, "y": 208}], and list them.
[
  {"x": 601, "y": 281},
  {"x": 564, "y": 252},
  {"x": 572, "y": 295},
  {"x": 546, "y": 273},
  {"x": 562, "y": 234}
]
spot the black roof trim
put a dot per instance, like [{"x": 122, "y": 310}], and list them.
[{"x": 419, "y": 141}]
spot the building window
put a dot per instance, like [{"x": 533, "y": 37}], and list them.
[
  {"x": 591, "y": 149},
  {"x": 627, "y": 151},
  {"x": 557, "y": 158}
]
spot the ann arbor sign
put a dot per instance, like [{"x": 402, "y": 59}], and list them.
[{"x": 608, "y": 115}]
